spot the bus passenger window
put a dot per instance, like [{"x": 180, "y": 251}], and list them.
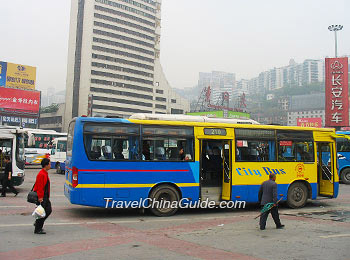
[
  {"x": 255, "y": 151},
  {"x": 167, "y": 143}
]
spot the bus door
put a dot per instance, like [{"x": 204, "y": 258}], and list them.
[
  {"x": 215, "y": 175},
  {"x": 325, "y": 167}
]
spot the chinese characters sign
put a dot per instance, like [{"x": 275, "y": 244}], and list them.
[
  {"x": 337, "y": 103},
  {"x": 17, "y": 76},
  {"x": 19, "y": 100},
  {"x": 309, "y": 122}
]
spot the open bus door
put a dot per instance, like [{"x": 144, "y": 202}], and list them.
[
  {"x": 326, "y": 169},
  {"x": 227, "y": 163},
  {"x": 215, "y": 169}
]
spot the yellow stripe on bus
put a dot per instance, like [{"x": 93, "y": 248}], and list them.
[{"x": 129, "y": 185}]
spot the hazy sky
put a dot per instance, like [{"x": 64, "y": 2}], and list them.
[{"x": 245, "y": 37}]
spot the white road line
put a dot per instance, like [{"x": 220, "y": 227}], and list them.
[
  {"x": 109, "y": 222},
  {"x": 13, "y": 206},
  {"x": 340, "y": 235}
]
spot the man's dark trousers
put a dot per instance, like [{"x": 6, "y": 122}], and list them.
[
  {"x": 275, "y": 216},
  {"x": 7, "y": 183},
  {"x": 39, "y": 223}
]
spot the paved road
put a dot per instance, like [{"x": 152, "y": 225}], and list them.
[{"x": 321, "y": 230}]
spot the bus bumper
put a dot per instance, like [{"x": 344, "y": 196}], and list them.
[
  {"x": 16, "y": 181},
  {"x": 71, "y": 194}
]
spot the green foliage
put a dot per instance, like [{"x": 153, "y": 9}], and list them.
[{"x": 50, "y": 109}]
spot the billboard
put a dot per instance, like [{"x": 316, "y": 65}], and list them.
[
  {"x": 310, "y": 122},
  {"x": 337, "y": 102},
  {"x": 17, "y": 76},
  {"x": 18, "y": 100},
  {"x": 221, "y": 114}
]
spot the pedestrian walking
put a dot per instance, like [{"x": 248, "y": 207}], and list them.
[
  {"x": 42, "y": 188},
  {"x": 268, "y": 194},
  {"x": 6, "y": 181}
]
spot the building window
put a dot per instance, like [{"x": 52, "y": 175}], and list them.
[
  {"x": 158, "y": 91},
  {"x": 161, "y": 99},
  {"x": 173, "y": 101},
  {"x": 160, "y": 106}
]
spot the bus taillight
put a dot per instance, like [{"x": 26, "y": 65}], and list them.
[{"x": 74, "y": 177}]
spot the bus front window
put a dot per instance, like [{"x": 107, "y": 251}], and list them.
[{"x": 20, "y": 158}]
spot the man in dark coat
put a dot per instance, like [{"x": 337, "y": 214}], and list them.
[
  {"x": 268, "y": 194},
  {"x": 6, "y": 182}
]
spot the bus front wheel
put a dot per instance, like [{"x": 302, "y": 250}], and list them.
[
  {"x": 345, "y": 176},
  {"x": 58, "y": 168},
  {"x": 164, "y": 200},
  {"x": 297, "y": 195}
]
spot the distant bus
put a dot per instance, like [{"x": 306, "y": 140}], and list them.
[
  {"x": 343, "y": 151},
  {"x": 37, "y": 144},
  {"x": 175, "y": 157},
  {"x": 12, "y": 145},
  {"x": 58, "y": 154}
]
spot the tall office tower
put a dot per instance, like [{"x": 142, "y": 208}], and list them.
[{"x": 113, "y": 60}]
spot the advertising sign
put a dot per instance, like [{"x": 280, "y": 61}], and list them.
[
  {"x": 310, "y": 122},
  {"x": 234, "y": 114},
  {"x": 337, "y": 102},
  {"x": 19, "y": 100},
  {"x": 221, "y": 114},
  {"x": 17, "y": 76},
  {"x": 218, "y": 113}
]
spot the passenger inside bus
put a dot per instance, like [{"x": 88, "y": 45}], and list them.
[
  {"x": 107, "y": 152},
  {"x": 146, "y": 153},
  {"x": 118, "y": 150},
  {"x": 160, "y": 153},
  {"x": 96, "y": 152}
]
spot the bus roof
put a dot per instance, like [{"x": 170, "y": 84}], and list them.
[
  {"x": 189, "y": 118},
  {"x": 210, "y": 123}
]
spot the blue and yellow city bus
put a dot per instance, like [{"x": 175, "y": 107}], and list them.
[{"x": 168, "y": 157}]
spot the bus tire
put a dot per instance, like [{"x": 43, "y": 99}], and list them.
[
  {"x": 345, "y": 176},
  {"x": 58, "y": 168},
  {"x": 164, "y": 193},
  {"x": 297, "y": 195}
]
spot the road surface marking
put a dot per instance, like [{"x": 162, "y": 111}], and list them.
[
  {"x": 340, "y": 235},
  {"x": 13, "y": 206}
]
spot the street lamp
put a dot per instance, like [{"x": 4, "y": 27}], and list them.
[{"x": 335, "y": 28}]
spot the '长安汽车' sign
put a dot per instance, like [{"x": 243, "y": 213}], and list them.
[{"x": 337, "y": 103}]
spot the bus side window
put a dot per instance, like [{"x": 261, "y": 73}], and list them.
[{"x": 167, "y": 143}]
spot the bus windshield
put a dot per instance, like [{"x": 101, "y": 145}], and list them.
[{"x": 20, "y": 156}]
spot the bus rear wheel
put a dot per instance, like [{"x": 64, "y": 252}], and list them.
[
  {"x": 297, "y": 195},
  {"x": 345, "y": 176},
  {"x": 163, "y": 198}
]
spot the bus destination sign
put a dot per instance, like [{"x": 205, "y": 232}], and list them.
[{"x": 214, "y": 131}]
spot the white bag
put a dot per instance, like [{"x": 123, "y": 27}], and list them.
[{"x": 39, "y": 212}]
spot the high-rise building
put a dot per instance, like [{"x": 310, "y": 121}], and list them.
[{"x": 113, "y": 56}]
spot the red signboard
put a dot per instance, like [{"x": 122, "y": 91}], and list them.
[
  {"x": 286, "y": 143},
  {"x": 18, "y": 100},
  {"x": 309, "y": 122},
  {"x": 337, "y": 102}
]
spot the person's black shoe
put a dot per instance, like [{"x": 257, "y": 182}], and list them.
[
  {"x": 41, "y": 232},
  {"x": 16, "y": 194},
  {"x": 280, "y": 227},
  {"x": 2, "y": 195},
  {"x": 262, "y": 228}
]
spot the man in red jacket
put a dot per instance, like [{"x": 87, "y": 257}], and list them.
[{"x": 42, "y": 188}]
